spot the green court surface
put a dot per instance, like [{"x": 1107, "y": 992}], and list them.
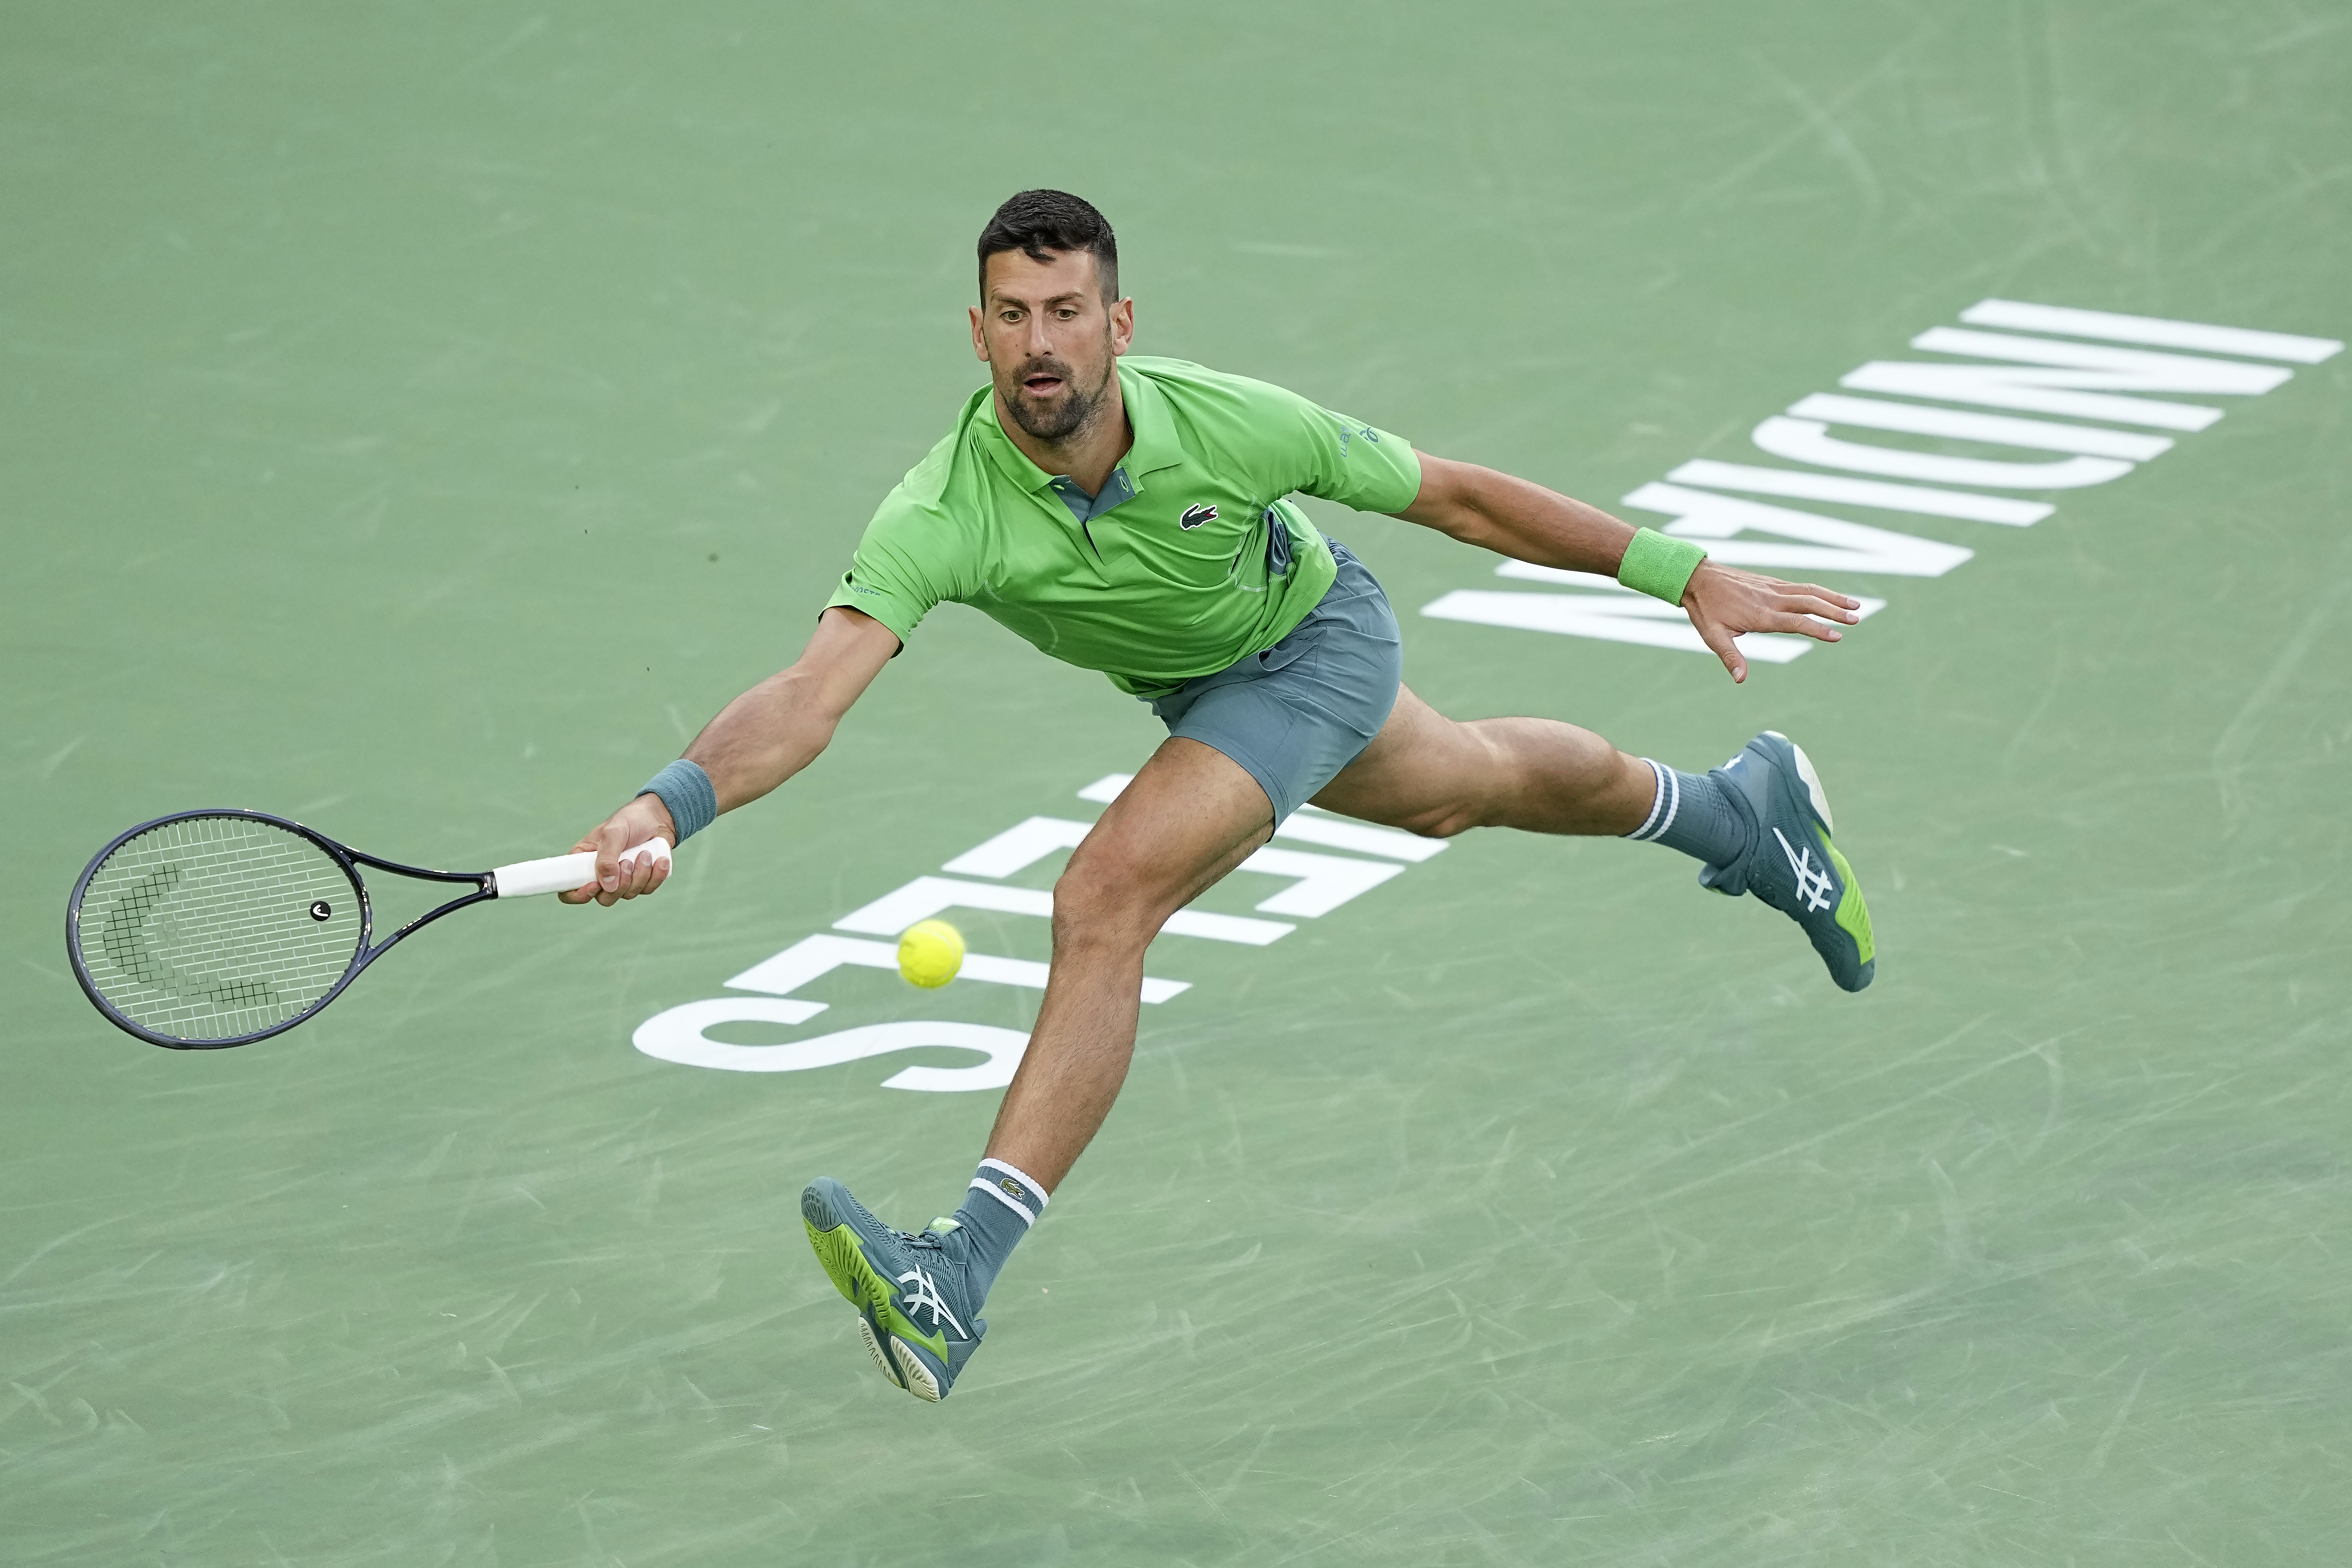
[{"x": 418, "y": 420}]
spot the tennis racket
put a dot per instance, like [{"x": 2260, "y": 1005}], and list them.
[{"x": 206, "y": 929}]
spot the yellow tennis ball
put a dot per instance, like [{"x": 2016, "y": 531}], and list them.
[{"x": 931, "y": 953}]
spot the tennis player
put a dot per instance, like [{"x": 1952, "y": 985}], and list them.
[{"x": 1131, "y": 515}]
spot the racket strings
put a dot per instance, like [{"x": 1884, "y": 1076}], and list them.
[{"x": 215, "y": 928}]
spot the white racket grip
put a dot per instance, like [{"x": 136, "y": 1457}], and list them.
[{"x": 562, "y": 873}]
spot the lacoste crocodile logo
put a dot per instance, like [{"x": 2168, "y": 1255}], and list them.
[{"x": 1194, "y": 516}]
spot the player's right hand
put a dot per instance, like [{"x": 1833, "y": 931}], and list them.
[
  {"x": 1723, "y": 602},
  {"x": 642, "y": 818}
]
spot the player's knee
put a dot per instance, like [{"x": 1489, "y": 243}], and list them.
[
  {"x": 1441, "y": 821},
  {"x": 1096, "y": 905}
]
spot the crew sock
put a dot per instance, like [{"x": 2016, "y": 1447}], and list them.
[
  {"x": 998, "y": 1210},
  {"x": 1695, "y": 813}
]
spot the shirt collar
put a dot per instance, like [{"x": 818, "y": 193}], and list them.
[
  {"x": 1009, "y": 458},
  {"x": 1155, "y": 445},
  {"x": 1117, "y": 491}
]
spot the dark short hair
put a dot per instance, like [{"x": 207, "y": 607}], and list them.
[{"x": 1039, "y": 223}]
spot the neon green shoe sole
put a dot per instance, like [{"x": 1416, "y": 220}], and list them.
[{"x": 895, "y": 1279}]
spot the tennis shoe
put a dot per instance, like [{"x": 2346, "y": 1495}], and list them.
[
  {"x": 916, "y": 1307},
  {"x": 1791, "y": 864}
]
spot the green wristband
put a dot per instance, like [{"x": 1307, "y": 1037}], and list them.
[{"x": 1659, "y": 566}]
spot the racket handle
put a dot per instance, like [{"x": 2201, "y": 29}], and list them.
[{"x": 562, "y": 873}]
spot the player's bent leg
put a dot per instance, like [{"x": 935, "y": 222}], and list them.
[
  {"x": 1761, "y": 824},
  {"x": 1189, "y": 817},
  {"x": 1439, "y": 776}
]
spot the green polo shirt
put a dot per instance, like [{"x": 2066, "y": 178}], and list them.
[{"x": 1191, "y": 557}]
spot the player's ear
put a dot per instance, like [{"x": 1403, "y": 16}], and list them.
[
  {"x": 979, "y": 343},
  {"x": 1122, "y": 325}
]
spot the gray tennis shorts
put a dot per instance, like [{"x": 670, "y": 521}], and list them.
[{"x": 1297, "y": 713}]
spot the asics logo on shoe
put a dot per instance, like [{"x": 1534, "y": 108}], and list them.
[
  {"x": 1194, "y": 516},
  {"x": 1815, "y": 886},
  {"x": 925, "y": 1297}
]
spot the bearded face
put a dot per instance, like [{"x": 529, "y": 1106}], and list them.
[
  {"x": 1050, "y": 400},
  {"x": 1052, "y": 341}
]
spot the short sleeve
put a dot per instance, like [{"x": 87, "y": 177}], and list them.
[
  {"x": 900, "y": 569},
  {"x": 1335, "y": 458}
]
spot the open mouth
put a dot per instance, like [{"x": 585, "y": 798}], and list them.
[{"x": 1042, "y": 385}]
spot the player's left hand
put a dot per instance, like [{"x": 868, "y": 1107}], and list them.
[{"x": 1723, "y": 602}]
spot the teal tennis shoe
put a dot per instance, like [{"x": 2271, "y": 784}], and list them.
[
  {"x": 916, "y": 1306},
  {"x": 1791, "y": 864}
]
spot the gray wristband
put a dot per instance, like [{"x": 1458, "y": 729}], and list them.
[{"x": 686, "y": 789}]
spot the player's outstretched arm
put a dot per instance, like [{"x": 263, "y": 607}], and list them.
[
  {"x": 1527, "y": 522},
  {"x": 758, "y": 740}
]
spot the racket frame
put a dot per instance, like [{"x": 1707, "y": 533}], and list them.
[{"x": 350, "y": 861}]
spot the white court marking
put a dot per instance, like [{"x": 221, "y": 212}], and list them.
[
  {"x": 2057, "y": 374},
  {"x": 1319, "y": 883}
]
